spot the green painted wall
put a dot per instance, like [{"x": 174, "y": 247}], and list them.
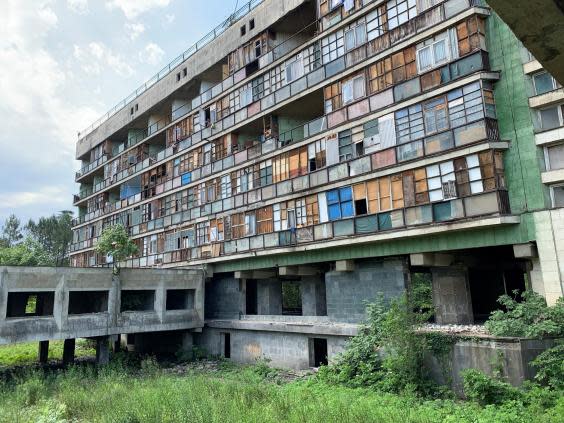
[{"x": 523, "y": 159}]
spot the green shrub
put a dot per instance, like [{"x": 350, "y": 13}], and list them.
[
  {"x": 550, "y": 367},
  {"x": 530, "y": 318},
  {"x": 387, "y": 353},
  {"x": 486, "y": 390}
]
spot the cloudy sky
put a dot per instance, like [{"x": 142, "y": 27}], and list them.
[{"x": 64, "y": 63}]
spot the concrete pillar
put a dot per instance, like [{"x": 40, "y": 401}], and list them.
[
  {"x": 102, "y": 350},
  {"x": 269, "y": 297},
  {"x": 314, "y": 302},
  {"x": 116, "y": 343},
  {"x": 451, "y": 295},
  {"x": 43, "y": 351},
  {"x": 68, "y": 351}
]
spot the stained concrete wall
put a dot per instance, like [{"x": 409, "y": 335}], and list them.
[
  {"x": 451, "y": 295},
  {"x": 511, "y": 356},
  {"x": 348, "y": 292},
  {"x": 223, "y": 297},
  {"x": 61, "y": 281},
  {"x": 287, "y": 350}
]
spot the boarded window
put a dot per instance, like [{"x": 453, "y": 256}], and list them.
[{"x": 470, "y": 35}]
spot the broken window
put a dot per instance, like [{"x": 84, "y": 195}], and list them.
[
  {"x": 441, "y": 181},
  {"x": 137, "y": 300},
  {"x": 317, "y": 155},
  {"x": 88, "y": 302},
  {"x": 180, "y": 299},
  {"x": 30, "y": 304}
]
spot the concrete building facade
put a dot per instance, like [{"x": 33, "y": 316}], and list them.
[{"x": 312, "y": 155}]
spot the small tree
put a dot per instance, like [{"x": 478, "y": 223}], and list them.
[
  {"x": 11, "y": 231},
  {"x": 115, "y": 242}
]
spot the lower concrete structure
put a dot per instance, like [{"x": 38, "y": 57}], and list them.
[
  {"x": 42, "y": 304},
  {"x": 508, "y": 357}
]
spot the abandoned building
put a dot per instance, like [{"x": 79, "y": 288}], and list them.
[{"x": 310, "y": 155}]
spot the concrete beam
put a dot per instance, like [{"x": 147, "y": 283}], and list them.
[
  {"x": 255, "y": 274},
  {"x": 525, "y": 251},
  {"x": 539, "y": 24},
  {"x": 298, "y": 271},
  {"x": 344, "y": 266},
  {"x": 431, "y": 259}
]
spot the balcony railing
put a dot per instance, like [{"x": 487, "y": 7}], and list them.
[
  {"x": 455, "y": 70},
  {"x": 487, "y": 204},
  {"x": 471, "y": 133}
]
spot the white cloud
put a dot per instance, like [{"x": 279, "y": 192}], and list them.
[
  {"x": 134, "y": 29},
  {"x": 78, "y": 6},
  {"x": 55, "y": 195},
  {"x": 39, "y": 119},
  {"x": 169, "y": 19},
  {"x": 151, "y": 54},
  {"x": 95, "y": 57},
  {"x": 133, "y": 8}
]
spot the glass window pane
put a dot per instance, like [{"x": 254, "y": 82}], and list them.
[
  {"x": 543, "y": 83},
  {"x": 556, "y": 157},
  {"x": 439, "y": 49},
  {"x": 549, "y": 118},
  {"x": 558, "y": 196}
]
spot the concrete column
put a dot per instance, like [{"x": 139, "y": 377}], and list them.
[
  {"x": 43, "y": 351},
  {"x": 269, "y": 293},
  {"x": 114, "y": 300},
  {"x": 3, "y": 295},
  {"x": 451, "y": 295},
  {"x": 314, "y": 302},
  {"x": 102, "y": 350},
  {"x": 116, "y": 343},
  {"x": 68, "y": 351}
]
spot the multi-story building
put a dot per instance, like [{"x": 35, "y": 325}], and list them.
[{"x": 310, "y": 155}]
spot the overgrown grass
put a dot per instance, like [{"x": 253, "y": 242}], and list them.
[
  {"x": 119, "y": 393},
  {"x": 20, "y": 354}
]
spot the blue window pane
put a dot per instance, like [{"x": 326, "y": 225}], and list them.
[
  {"x": 186, "y": 178},
  {"x": 334, "y": 212},
  {"x": 453, "y": 95},
  {"x": 347, "y": 209},
  {"x": 345, "y": 194},
  {"x": 402, "y": 113},
  {"x": 332, "y": 197}
]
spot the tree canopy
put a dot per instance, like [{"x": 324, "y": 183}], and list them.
[{"x": 115, "y": 244}]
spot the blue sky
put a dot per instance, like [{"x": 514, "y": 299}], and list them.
[{"x": 64, "y": 63}]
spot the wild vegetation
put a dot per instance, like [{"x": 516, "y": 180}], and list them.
[{"x": 42, "y": 243}]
